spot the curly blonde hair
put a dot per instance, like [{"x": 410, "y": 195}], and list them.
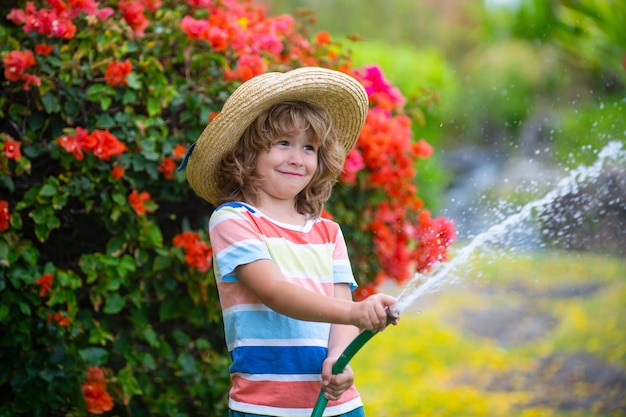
[{"x": 238, "y": 180}]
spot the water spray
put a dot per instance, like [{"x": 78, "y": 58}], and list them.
[{"x": 422, "y": 284}]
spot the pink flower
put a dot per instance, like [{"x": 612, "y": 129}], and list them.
[
  {"x": 104, "y": 13},
  {"x": 354, "y": 163},
  {"x": 193, "y": 28},
  {"x": 380, "y": 91}
]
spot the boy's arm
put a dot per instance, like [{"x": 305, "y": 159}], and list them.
[
  {"x": 264, "y": 279},
  {"x": 340, "y": 337},
  {"x": 340, "y": 334}
]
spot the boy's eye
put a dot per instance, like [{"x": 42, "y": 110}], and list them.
[{"x": 309, "y": 148}]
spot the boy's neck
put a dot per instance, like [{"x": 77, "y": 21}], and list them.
[{"x": 283, "y": 211}]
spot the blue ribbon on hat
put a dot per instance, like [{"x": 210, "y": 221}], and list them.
[{"x": 183, "y": 164}]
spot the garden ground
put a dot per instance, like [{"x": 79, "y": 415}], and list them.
[{"x": 534, "y": 336}]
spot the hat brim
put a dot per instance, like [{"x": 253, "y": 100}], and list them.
[{"x": 340, "y": 94}]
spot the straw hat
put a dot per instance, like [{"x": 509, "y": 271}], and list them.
[{"x": 340, "y": 94}]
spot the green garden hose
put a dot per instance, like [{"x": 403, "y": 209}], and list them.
[
  {"x": 338, "y": 367},
  {"x": 345, "y": 357}
]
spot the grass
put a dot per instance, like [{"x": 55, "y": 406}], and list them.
[{"x": 432, "y": 365}]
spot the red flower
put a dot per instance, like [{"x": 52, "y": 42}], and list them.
[
  {"x": 362, "y": 293},
  {"x": 186, "y": 238},
  {"x": 117, "y": 72},
  {"x": 97, "y": 398},
  {"x": 217, "y": 37},
  {"x": 11, "y": 149},
  {"x": 43, "y": 49},
  {"x": 422, "y": 149},
  {"x": 16, "y": 62},
  {"x": 248, "y": 66},
  {"x": 30, "y": 79},
  {"x": 45, "y": 284},
  {"x": 198, "y": 254},
  {"x": 5, "y": 216},
  {"x": 137, "y": 201},
  {"x": 106, "y": 145},
  {"x": 167, "y": 167},
  {"x": 94, "y": 391},
  {"x": 117, "y": 172},
  {"x": 323, "y": 38},
  {"x": 179, "y": 151},
  {"x": 58, "y": 318},
  {"x": 133, "y": 15},
  {"x": 74, "y": 143},
  {"x": 95, "y": 374},
  {"x": 102, "y": 143},
  {"x": 152, "y": 5}
]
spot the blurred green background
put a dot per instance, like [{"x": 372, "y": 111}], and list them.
[{"x": 509, "y": 77}]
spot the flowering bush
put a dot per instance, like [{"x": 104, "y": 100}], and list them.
[{"x": 107, "y": 299}]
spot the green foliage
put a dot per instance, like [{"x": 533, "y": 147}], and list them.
[
  {"x": 120, "y": 296},
  {"x": 594, "y": 123}
]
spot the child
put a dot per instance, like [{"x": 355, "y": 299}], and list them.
[{"x": 269, "y": 161}]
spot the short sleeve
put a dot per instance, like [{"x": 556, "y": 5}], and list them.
[{"x": 236, "y": 240}]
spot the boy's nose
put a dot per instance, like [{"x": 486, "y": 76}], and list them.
[{"x": 295, "y": 157}]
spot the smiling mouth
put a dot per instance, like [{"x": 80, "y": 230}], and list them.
[{"x": 291, "y": 174}]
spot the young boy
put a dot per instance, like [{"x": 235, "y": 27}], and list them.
[{"x": 268, "y": 162}]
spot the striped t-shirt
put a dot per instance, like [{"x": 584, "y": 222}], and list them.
[{"x": 277, "y": 360}]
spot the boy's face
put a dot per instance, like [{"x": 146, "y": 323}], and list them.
[{"x": 287, "y": 167}]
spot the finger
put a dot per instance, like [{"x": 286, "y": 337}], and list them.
[{"x": 327, "y": 371}]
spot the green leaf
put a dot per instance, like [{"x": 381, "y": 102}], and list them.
[
  {"x": 151, "y": 235},
  {"x": 97, "y": 91},
  {"x": 127, "y": 264},
  {"x": 48, "y": 190},
  {"x": 153, "y": 105},
  {"x": 7, "y": 181},
  {"x": 29, "y": 254},
  {"x": 187, "y": 363},
  {"x": 161, "y": 263},
  {"x": 129, "y": 97},
  {"x": 42, "y": 232},
  {"x": 24, "y": 308},
  {"x": 147, "y": 361},
  {"x": 50, "y": 103},
  {"x": 169, "y": 309},
  {"x": 128, "y": 382},
  {"x": 114, "y": 303},
  {"x": 94, "y": 356},
  {"x": 151, "y": 337},
  {"x": 134, "y": 81},
  {"x": 114, "y": 283},
  {"x": 105, "y": 102},
  {"x": 116, "y": 245},
  {"x": 105, "y": 121},
  {"x": 4, "y": 311}
]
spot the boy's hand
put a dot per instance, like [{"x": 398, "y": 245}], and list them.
[
  {"x": 335, "y": 385},
  {"x": 372, "y": 313}
]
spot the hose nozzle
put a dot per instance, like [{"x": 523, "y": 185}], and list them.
[{"x": 392, "y": 314}]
